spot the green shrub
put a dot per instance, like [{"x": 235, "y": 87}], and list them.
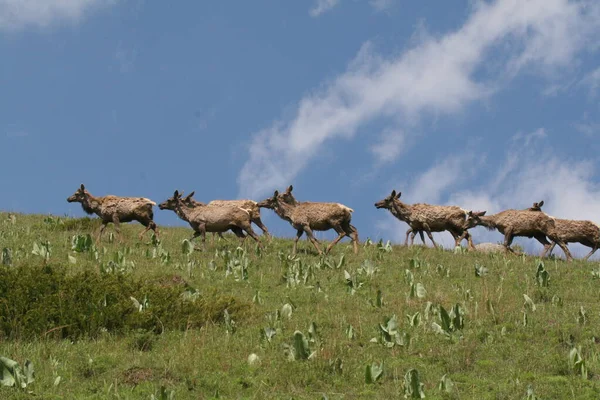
[{"x": 46, "y": 301}]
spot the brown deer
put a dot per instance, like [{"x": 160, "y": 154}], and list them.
[
  {"x": 116, "y": 210},
  {"x": 584, "y": 232},
  {"x": 190, "y": 202},
  {"x": 250, "y": 205},
  {"x": 210, "y": 218},
  {"x": 308, "y": 216},
  {"x": 526, "y": 223},
  {"x": 429, "y": 218}
]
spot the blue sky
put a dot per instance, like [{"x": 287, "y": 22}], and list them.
[{"x": 483, "y": 104}]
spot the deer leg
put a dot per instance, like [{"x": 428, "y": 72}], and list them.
[
  {"x": 464, "y": 235},
  {"x": 413, "y": 234},
  {"x": 239, "y": 233},
  {"x": 117, "y": 225},
  {"x": 458, "y": 238},
  {"x": 352, "y": 233},
  {"x": 101, "y": 231},
  {"x": 455, "y": 237},
  {"x": 200, "y": 230},
  {"x": 430, "y": 235},
  {"x": 141, "y": 235},
  {"x": 341, "y": 234},
  {"x": 552, "y": 246},
  {"x": 154, "y": 227},
  {"x": 311, "y": 236},
  {"x": 508, "y": 238},
  {"x": 469, "y": 237},
  {"x": 591, "y": 252},
  {"x": 149, "y": 224},
  {"x": 565, "y": 249},
  {"x": 253, "y": 234},
  {"x": 408, "y": 232},
  {"x": 195, "y": 235},
  {"x": 544, "y": 241},
  {"x": 298, "y": 235},
  {"x": 428, "y": 230},
  {"x": 262, "y": 226}
]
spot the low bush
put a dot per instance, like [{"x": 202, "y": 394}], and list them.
[{"x": 46, "y": 301}]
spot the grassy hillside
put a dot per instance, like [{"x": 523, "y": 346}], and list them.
[{"x": 452, "y": 325}]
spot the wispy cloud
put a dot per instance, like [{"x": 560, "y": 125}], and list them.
[
  {"x": 430, "y": 185},
  {"x": 530, "y": 137},
  {"x": 592, "y": 81},
  {"x": 322, "y": 6},
  {"x": 588, "y": 128},
  {"x": 389, "y": 146},
  {"x": 381, "y": 5},
  {"x": 436, "y": 76},
  {"x": 18, "y": 14}
]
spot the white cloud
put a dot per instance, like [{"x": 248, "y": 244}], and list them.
[
  {"x": 381, "y": 5},
  {"x": 389, "y": 146},
  {"x": 527, "y": 138},
  {"x": 322, "y": 6},
  {"x": 588, "y": 128},
  {"x": 16, "y": 14},
  {"x": 592, "y": 81},
  {"x": 436, "y": 76},
  {"x": 430, "y": 185}
]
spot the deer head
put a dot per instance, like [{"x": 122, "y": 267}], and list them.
[
  {"x": 171, "y": 202},
  {"x": 474, "y": 218},
  {"x": 79, "y": 195},
  {"x": 388, "y": 202},
  {"x": 270, "y": 202}
]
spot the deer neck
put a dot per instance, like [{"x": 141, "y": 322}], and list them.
[
  {"x": 180, "y": 213},
  {"x": 183, "y": 211},
  {"x": 401, "y": 211},
  {"x": 489, "y": 221},
  {"x": 284, "y": 210},
  {"x": 91, "y": 204}
]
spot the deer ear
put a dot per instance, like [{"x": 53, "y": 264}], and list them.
[
  {"x": 82, "y": 187},
  {"x": 189, "y": 196},
  {"x": 481, "y": 213},
  {"x": 399, "y": 194},
  {"x": 276, "y": 193},
  {"x": 289, "y": 189},
  {"x": 176, "y": 194},
  {"x": 541, "y": 203},
  {"x": 393, "y": 193}
]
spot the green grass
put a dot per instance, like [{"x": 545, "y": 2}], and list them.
[{"x": 191, "y": 349}]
